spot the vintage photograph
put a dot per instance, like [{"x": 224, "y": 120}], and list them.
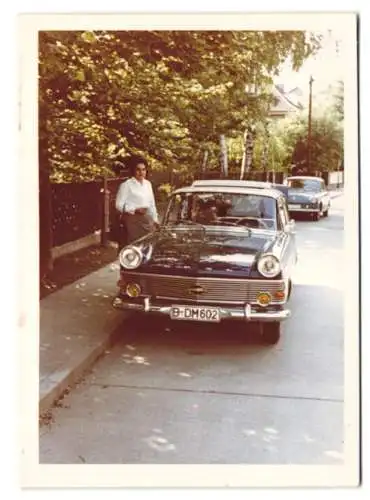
[{"x": 192, "y": 220}]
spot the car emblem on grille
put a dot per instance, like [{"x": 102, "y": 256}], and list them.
[{"x": 195, "y": 290}]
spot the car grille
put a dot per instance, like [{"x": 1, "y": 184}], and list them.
[{"x": 204, "y": 289}]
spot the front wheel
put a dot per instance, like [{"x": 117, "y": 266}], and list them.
[
  {"x": 316, "y": 216},
  {"x": 271, "y": 333},
  {"x": 326, "y": 213}
]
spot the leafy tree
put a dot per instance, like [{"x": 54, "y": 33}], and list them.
[
  {"x": 168, "y": 94},
  {"x": 286, "y": 144},
  {"x": 326, "y": 143},
  {"x": 339, "y": 100}
]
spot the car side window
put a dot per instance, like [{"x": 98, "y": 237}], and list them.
[{"x": 176, "y": 208}]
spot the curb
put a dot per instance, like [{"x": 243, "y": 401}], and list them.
[
  {"x": 336, "y": 194},
  {"x": 77, "y": 325},
  {"x": 56, "y": 388}
]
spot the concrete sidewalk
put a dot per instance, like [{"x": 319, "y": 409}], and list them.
[{"x": 77, "y": 324}]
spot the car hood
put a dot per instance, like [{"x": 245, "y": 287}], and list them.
[{"x": 213, "y": 253}]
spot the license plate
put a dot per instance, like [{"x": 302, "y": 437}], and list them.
[
  {"x": 292, "y": 207},
  {"x": 210, "y": 314}
]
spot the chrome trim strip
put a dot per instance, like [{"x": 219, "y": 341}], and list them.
[
  {"x": 226, "y": 302},
  {"x": 303, "y": 210},
  {"x": 241, "y": 280}
]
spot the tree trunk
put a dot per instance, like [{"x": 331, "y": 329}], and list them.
[
  {"x": 45, "y": 198},
  {"x": 204, "y": 164},
  {"x": 223, "y": 148},
  {"x": 104, "y": 237},
  {"x": 244, "y": 161},
  {"x": 248, "y": 140},
  {"x": 45, "y": 220}
]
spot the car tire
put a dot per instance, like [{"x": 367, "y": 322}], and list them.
[
  {"x": 326, "y": 213},
  {"x": 316, "y": 216},
  {"x": 271, "y": 333}
]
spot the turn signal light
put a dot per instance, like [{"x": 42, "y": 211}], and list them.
[
  {"x": 279, "y": 295},
  {"x": 263, "y": 298},
  {"x": 133, "y": 290}
]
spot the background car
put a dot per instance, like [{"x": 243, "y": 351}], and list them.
[
  {"x": 221, "y": 253},
  {"x": 308, "y": 195}
]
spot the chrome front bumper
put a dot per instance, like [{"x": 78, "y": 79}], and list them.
[
  {"x": 307, "y": 210},
  {"x": 246, "y": 313}
]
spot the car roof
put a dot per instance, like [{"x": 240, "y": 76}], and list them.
[
  {"x": 272, "y": 193},
  {"x": 232, "y": 183},
  {"x": 304, "y": 177}
]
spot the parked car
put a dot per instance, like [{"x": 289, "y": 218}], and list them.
[
  {"x": 308, "y": 195},
  {"x": 221, "y": 253}
]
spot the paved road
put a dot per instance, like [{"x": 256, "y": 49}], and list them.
[{"x": 199, "y": 394}]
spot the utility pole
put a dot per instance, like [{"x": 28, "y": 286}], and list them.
[{"x": 309, "y": 138}]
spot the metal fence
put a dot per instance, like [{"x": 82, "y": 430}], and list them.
[{"x": 77, "y": 209}]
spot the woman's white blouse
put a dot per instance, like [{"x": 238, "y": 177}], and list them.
[{"x": 133, "y": 194}]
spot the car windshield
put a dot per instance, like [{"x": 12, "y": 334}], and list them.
[
  {"x": 222, "y": 209},
  {"x": 312, "y": 185}
]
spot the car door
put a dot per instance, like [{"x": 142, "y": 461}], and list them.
[
  {"x": 327, "y": 195},
  {"x": 288, "y": 229},
  {"x": 324, "y": 196}
]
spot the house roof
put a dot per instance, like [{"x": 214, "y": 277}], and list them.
[{"x": 285, "y": 103}]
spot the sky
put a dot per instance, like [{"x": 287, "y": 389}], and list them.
[{"x": 326, "y": 67}]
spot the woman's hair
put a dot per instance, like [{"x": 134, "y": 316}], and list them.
[{"x": 134, "y": 162}]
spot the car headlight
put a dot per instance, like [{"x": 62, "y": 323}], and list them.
[
  {"x": 269, "y": 266},
  {"x": 130, "y": 257}
]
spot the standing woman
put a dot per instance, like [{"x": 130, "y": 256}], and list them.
[{"x": 135, "y": 200}]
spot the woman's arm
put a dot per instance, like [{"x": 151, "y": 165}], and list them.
[{"x": 121, "y": 196}]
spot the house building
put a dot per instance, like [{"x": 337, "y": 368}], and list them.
[{"x": 285, "y": 103}]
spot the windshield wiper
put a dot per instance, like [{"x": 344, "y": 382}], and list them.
[
  {"x": 185, "y": 222},
  {"x": 189, "y": 222}
]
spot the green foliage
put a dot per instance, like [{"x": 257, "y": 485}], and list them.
[
  {"x": 331, "y": 102},
  {"x": 339, "y": 100},
  {"x": 326, "y": 142},
  {"x": 165, "y": 94},
  {"x": 163, "y": 191},
  {"x": 287, "y": 143}
]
